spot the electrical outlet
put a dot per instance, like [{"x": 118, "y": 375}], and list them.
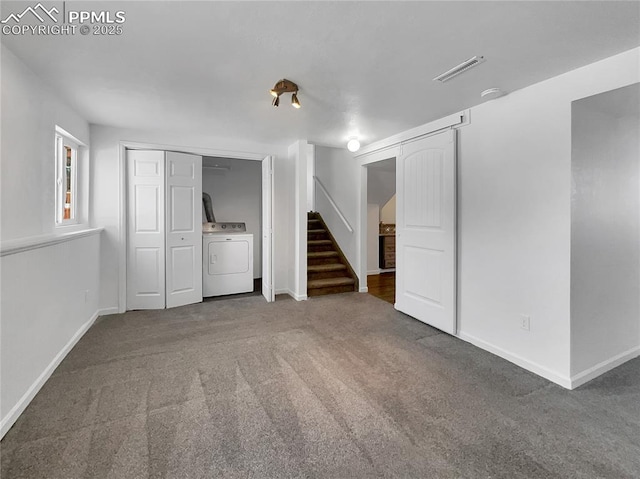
[{"x": 525, "y": 322}]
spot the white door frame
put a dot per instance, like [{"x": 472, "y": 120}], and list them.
[
  {"x": 132, "y": 145},
  {"x": 385, "y": 150}
]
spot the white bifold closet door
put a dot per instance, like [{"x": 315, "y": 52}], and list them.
[
  {"x": 426, "y": 230},
  {"x": 267, "y": 230},
  {"x": 184, "y": 229},
  {"x": 164, "y": 229}
]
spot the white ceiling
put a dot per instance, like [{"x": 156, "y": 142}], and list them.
[{"x": 363, "y": 68}]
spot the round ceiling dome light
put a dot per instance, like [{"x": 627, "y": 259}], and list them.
[
  {"x": 491, "y": 93},
  {"x": 353, "y": 145}
]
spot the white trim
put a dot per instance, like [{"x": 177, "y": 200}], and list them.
[
  {"x": 604, "y": 366},
  {"x": 15, "y": 246},
  {"x": 237, "y": 155},
  {"x": 374, "y": 271},
  {"x": 282, "y": 291},
  {"x": 363, "y": 289},
  {"x": 297, "y": 297},
  {"x": 535, "y": 368},
  {"x": 64, "y": 132},
  {"x": 123, "y": 146},
  {"x": 13, "y": 415},
  {"x": 108, "y": 311},
  {"x": 333, "y": 204},
  {"x": 457, "y": 119}
]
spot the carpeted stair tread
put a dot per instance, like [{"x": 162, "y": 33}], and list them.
[
  {"x": 329, "y": 282},
  {"x": 319, "y": 242},
  {"x": 321, "y": 268},
  {"x": 317, "y": 231},
  {"x": 322, "y": 254}
]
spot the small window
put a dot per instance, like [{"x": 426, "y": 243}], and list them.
[{"x": 66, "y": 180}]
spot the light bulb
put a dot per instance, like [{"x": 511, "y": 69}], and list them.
[
  {"x": 353, "y": 145},
  {"x": 294, "y": 101},
  {"x": 273, "y": 93}
]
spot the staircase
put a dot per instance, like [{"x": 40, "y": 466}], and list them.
[{"x": 328, "y": 271}]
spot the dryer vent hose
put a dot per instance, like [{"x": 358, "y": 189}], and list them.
[{"x": 208, "y": 208}]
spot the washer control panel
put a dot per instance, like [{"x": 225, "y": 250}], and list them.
[{"x": 224, "y": 227}]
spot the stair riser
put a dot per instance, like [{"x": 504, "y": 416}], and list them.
[
  {"x": 327, "y": 274},
  {"x": 330, "y": 290}
]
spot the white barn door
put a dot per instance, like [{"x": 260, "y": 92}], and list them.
[
  {"x": 426, "y": 230},
  {"x": 184, "y": 229},
  {"x": 267, "y": 229},
  {"x": 145, "y": 230}
]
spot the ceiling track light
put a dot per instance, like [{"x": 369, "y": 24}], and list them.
[{"x": 285, "y": 86}]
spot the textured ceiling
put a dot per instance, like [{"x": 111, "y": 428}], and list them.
[{"x": 364, "y": 68}]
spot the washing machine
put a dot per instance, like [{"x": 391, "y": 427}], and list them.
[{"x": 227, "y": 259}]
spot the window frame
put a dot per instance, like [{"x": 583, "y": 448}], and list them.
[{"x": 62, "y": 140}]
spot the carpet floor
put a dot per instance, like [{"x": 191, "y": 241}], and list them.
[{"x": 338, "y": 387}]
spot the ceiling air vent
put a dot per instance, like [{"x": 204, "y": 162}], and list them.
[{"x": 463, "y": 67}]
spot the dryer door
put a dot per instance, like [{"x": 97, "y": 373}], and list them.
[{"x": 228, "y": 257}]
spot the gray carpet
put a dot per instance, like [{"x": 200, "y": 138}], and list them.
[{"x": 336, "y": 387}]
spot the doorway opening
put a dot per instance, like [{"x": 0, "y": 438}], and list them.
[
  {"x": 381, "y": 229},
  {"x": 232, "y": 206},
  {"x": 264, "y": 234}
]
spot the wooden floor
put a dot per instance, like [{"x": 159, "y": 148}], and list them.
[{"x": 383, "y": 286}]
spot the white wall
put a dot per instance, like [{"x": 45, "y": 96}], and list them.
[
  {"x": 388, "y": 211},
  {"x": 514, "y": 194},
  {"x": 44, "y": 312},
  {"x": 50, "y": 294},
  {"x": 514, "y": 207},
  {"x": 30, "y": 113},
  {"x": 373, "y": 241},
  {"x": 297, "y": 159},
  {"x": 515, "y": 216},
  {"x": 236, "y": 195},
  {"x": 105, "y": 205},
  {"x": 605, "y": 233},
  {"x": 311, "y": 172},
  {"x": 340, "y": 173}
]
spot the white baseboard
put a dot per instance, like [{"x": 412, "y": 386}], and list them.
[
  {"x": 373, "y": 271},
  {"x": 363, "y": 289},
  {"x": 604, "y": 366},
  {"x": 282, "y": 291},
  {"x": 107, "y": 311},
  {"x": 13, "y": 415},
  {"x": 535, "y": 368},
  {"x": 297, "y": 297}
]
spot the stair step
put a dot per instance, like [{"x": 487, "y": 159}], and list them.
[
  {"x": 322, "y": 242},
  {"x": 317, "y": 232},
  {"x": 332, "y": 258},
  {"x": 329, "y": 282},
  {"x": 321, "y": 287},
  {"x": 322, "y": 254},
  {"x": 323, "y": 268},
  {"x": 324, "y": 271}
]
